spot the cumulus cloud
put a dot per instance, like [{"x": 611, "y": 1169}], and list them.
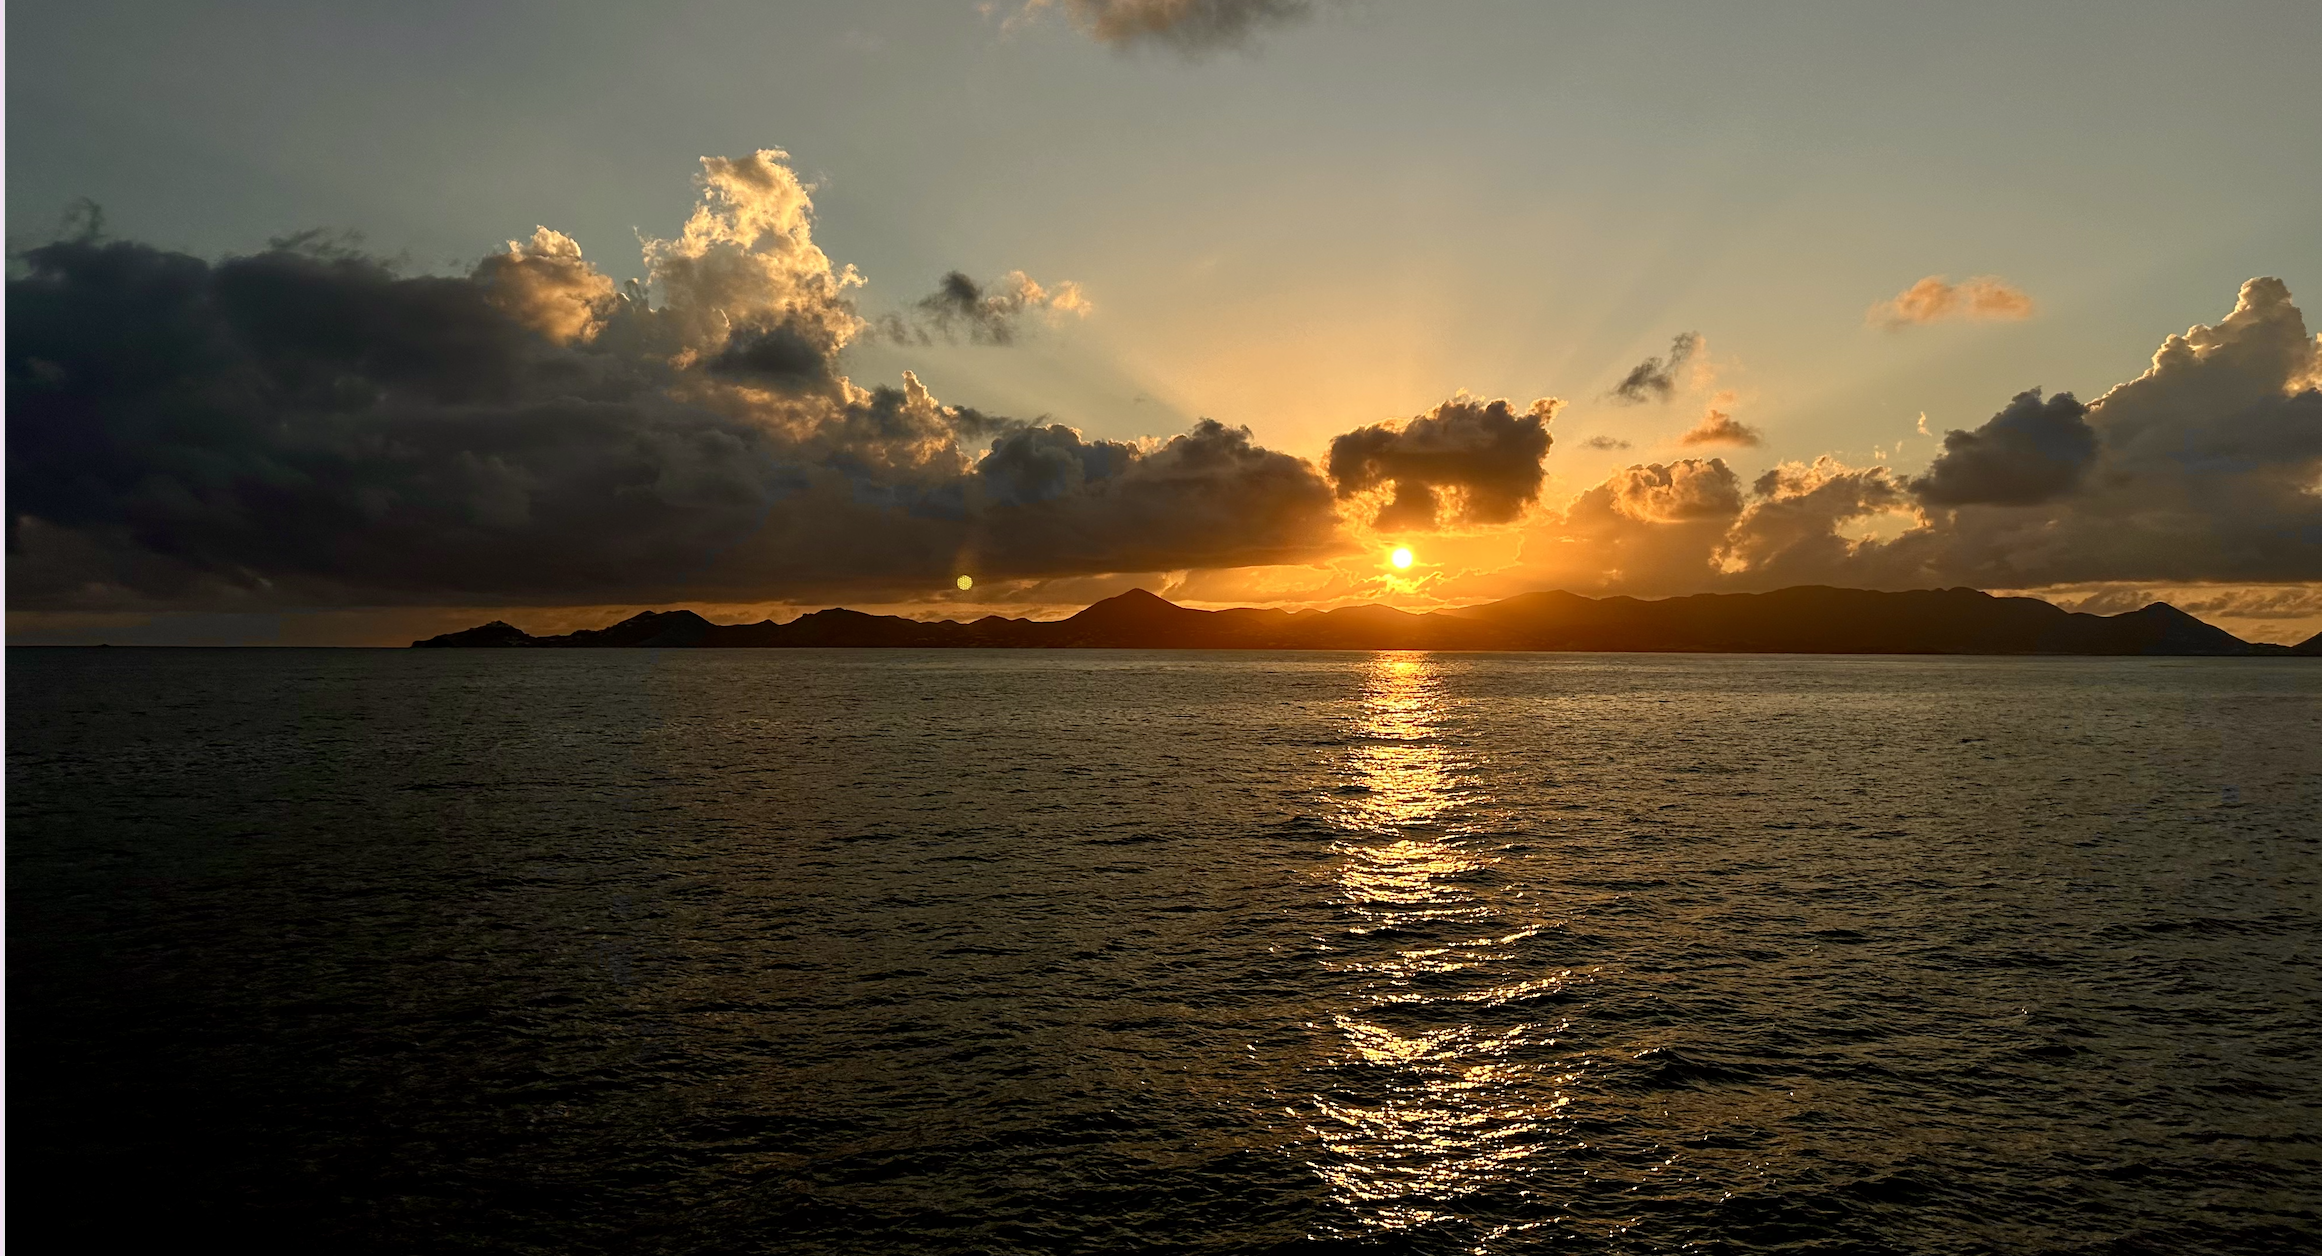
[
  {"x": 988, "y": 315},
  {"x": 2030, "y": 452},
  {"x": 545, "y": 285},
  {"x": 1656, "y": 378},
  {"x": 1934, "y": 299},
  {"x": 1648, "y": 528},
  {"x": 1792, "y": 530},
  {"x": 308, "y": 426},
  {"x": 1719, "y": 428},
  {"x": 1684, "y": 491},
  {"x": 1467, "y": 461},
  {"x": 747, "y": 261},
  {"x": 1190, "y": 26},
  {"x": 2206, "y": 467},
  {"x": 2203, "y": 473}
]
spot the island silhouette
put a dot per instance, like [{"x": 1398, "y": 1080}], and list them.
[{"x": 1809, "y": 619}]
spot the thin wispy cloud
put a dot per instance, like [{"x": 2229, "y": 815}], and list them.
[
  {"x": 1189, "y": 26},
  {"x": 987, "y": 315},
  {"x": 1658, "y": 378},
  {"x": 1936, "y": 299}
]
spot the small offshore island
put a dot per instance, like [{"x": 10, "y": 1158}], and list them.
[{"x": 1809, "y": 619}]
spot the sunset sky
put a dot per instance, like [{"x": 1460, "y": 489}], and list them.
[{"x": 1227, "y": 300}]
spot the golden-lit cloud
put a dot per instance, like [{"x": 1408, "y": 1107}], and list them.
[
  {"x": 1684, "y": 491},
  {"x": 545, "y": 284},
  {"x": 1935, "y": 299},
  {"x": 1720, "y": 428}
]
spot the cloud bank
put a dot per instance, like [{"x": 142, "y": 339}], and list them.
[
  {"x": 307, "y": 426},
  {"x": 1935, "y": 299},
  {"x": 2205, "y": 469}
]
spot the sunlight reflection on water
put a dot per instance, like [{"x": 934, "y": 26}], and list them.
[{"x": 1429, "y": 1102}]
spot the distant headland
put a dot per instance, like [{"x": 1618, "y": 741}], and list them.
[{"x": 1805, "y": 620}]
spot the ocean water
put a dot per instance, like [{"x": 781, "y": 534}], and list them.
[{"x": 1015, "y": 952}]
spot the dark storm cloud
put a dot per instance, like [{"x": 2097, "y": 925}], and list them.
[
  {"x": 1108, "y": 505},
  {"x": 1464, "y": 462},
  {"x": 1655, "y": 378},
  {"x": 1190, "y": 26},
  {"x": 307, "y": 426},
  {"x": 2030, "y": 452},
  {"x": 778, "y": 356}
]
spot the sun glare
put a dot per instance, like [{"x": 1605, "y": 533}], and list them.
[
  {"x": 965, "y": 583},
  {"x": 1401, "y": 557}
]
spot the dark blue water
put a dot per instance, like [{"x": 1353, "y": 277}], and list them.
[{"x": 856, "y": 952}]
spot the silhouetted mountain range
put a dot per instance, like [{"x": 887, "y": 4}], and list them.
[{"x": 1805, "y": 620}]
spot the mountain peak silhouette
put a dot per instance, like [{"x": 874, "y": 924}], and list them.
[{"x": 1808, "y": 619}]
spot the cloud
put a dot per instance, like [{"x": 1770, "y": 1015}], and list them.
[
  {"x": 1647, "y": 528},
  {"x": 1934, "y": 299},
  {"x": 1464, "y": 462},
  {"x": 1094, "y": 506},
  {"x": 1655, "y": 379},
  {"x": 2283, "y": 613},
  {"x": 747, "y": 260},
  {"x": 545, "y": 285},
  {"x": 2204, "y": 472},
  {"x": 1792, "y": 530},
  {"x": 2206, "y": 467},
  {"x": 987, "y": 315},
  {"x": 1190, "y": 26},
  {"x": 1604, "y": 442},
  {"x": 2032, "y": 451},
  {"x": 308, "y": 426},
  {"x": 1719, "y": 428}
]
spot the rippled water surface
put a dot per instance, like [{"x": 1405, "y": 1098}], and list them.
[{"x": 856, "y": 952}]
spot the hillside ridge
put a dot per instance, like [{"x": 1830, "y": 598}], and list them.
[{"x": 1806, "y": 619}]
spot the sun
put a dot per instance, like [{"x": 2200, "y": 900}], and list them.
[
  {"x": 1401, "y": 557},
  {"x": 965, "y": 583}
]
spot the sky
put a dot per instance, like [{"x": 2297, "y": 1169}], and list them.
[{"x": 1222, "y": 299}]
